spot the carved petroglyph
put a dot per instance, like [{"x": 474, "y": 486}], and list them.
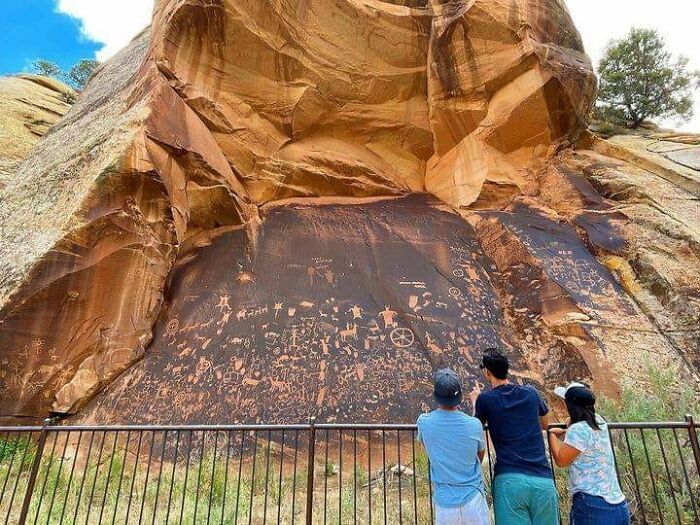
[
  {"x": 321, "y": 314},
  {"x": 402, "y": 337}
]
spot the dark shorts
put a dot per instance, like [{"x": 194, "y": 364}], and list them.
[{"x": 593, "y": 510}]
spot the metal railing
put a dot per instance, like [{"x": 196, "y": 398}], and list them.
[{"x": 312, "y": 473}]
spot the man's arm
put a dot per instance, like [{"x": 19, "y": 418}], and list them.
[
  {"x": 480, "y": 409},
  {"x": 542, "y": 409}
]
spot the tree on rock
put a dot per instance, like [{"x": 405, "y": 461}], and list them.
[
  {"x": 640, "y": 79},
  {"x": 47, "y": 69},
  {"x": 79, "y": 75}
]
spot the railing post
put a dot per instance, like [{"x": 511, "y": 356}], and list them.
[
  {"x": 34, "y": 472},
  {"x": 693, "y": 435},
  {"x": 310, "y": 473}
]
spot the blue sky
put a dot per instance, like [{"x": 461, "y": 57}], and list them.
[{"x": 33, "y": 29}]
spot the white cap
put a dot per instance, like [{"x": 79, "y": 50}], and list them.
[{"x": 562, "y": 390}]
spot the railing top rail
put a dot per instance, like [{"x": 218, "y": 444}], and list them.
[
  {"x": 21, "y": 429},
  {"x": 365, "y": 426},
  {"x": 634, "y": 425},
  {"x": 628, "y": 425},
  {"x": 173, "y": 428}
]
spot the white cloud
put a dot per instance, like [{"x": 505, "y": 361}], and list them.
[
  {"x": 112, "y": 23},
  {"x": 675, "y": 20}
]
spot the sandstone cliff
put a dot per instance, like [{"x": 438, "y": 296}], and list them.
[
  {"x": 317, "y": 203},
  {"x": 29, "y": 106}
]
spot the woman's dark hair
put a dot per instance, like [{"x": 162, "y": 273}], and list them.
[{"x": 582, "y": 413}]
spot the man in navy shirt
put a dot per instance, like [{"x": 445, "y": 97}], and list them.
[{"x": 523, "y": 491}]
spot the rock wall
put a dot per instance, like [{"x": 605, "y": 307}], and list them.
[
  {"x": 29, "y": 106},
  {"x": 315, "y": 203}
]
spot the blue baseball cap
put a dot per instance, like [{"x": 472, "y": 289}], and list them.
[{"x": 448, "y": 389}]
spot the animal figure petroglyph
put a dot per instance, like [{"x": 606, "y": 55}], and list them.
[{"x": 349, "y": 332}]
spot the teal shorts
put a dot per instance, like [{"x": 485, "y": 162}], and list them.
[{"x": 525, "y": 500}]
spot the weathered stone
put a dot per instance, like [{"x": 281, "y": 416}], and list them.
[
  {"x": 29, "y": 106},
  {"x": 245, "y": 169}
]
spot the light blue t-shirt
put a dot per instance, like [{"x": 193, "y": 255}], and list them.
[
  {"x": 593, "y": 471},
  {"x": 452, "y": 440}
]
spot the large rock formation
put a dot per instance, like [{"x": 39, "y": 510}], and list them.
[
  {"x": 29, "y": 106},
  {"x": 259, "y": 211}
]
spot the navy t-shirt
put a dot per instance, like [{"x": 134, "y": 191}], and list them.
[{"x": 513, "y": 413}]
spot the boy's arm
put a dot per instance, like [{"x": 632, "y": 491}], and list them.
[{"x": 481, "y": 451}]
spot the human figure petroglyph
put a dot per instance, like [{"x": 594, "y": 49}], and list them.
[
  {"x": 356, "y": 312},
  {"x": 223, "y": 302},
  {"x": 388, "y": 315}
]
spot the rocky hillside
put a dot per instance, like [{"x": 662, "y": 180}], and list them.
[
  {"x": 29, "y": 106},
  {"x": 259, "y": 211}
]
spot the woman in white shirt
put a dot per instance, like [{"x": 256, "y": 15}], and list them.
[{"x": 585, "y": 448}]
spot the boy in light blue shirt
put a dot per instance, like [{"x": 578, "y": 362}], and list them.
[{"x": 455, "y": 446}]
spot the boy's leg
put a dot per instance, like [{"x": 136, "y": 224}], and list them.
[
  {"x": 445, "y": 516},
  {"x": 544, "y": 502},
  {"x": 509, "y": 503},
  {"x": 476, "y": 511}
]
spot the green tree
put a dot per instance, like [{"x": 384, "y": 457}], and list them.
[
  {"x": 79, "y": 75},
  {"x": 640, "y": 79},
  {"x": 47, "y": 69}
]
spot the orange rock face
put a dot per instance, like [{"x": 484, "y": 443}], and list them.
[{"x": 229, "y": 216}]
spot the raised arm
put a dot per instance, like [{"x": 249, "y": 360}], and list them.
[{"x": 562, "y": 454}]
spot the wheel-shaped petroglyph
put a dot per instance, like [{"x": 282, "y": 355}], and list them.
[
  {"x": 172, "y": 326},
  {"x": 402, "y": 337},
  {"x": 458, "y": 272},
  {"x": 455, "y": 292}
]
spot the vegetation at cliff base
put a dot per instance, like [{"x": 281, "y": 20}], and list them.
[{"x": 640, "y": 79}]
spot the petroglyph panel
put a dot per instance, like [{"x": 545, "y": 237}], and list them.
[
  {"x": 565, "y": 260},
  {"x": 343, "y": 312}
]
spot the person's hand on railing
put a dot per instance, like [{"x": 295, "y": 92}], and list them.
[{"x": 559, "y": 432}]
